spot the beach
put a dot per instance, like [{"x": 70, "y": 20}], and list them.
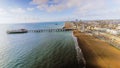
[{"x": 97, "y": 53}]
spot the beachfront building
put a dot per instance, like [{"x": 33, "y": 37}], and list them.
[
  {"x": 118, "y": 27},
  {"x": 113, "y": 31},
  {"x": 82, "y": 28}
]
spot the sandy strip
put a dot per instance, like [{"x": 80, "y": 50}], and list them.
[{"x": 97, "y": 53}]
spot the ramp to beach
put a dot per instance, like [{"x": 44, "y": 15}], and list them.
[{"x": 97, "y": 53}]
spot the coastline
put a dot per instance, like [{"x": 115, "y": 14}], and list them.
[
  {"x": 97, "y": 53},
  {"x": 80, "y": 57}
]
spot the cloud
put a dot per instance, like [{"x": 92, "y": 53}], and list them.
[
  {"x": 55, "y": 5},
  {"x": 30, "y": 9},
  {"x": 14, "y": 15},
  {"x": 81, "y": 7},
  {"x": 18, "y": 10},
  {"x": 100, "y": 8},
  {"x": 78, "y": 9},
  {"x": 3, "y": 11},
  {"x": 116, "y": 1}
]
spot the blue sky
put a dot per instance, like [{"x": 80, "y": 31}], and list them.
[{"x": 24, "y": 11}]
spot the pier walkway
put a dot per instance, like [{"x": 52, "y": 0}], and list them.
[{"x": 50, "y": 30}]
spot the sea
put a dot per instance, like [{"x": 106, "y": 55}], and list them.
[{"x": 39, "y": 50}]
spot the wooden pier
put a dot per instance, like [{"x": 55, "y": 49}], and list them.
[
  {"x": 50, "y": 30},
  {"x": 38, "y": 30}
]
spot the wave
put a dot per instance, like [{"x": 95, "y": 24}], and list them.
[{"x": 80, "y": 57}]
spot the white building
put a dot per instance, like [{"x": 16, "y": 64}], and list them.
[{"x": 114, "y": 32}]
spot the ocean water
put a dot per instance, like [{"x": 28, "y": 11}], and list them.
[{"x": 37, "y": 50}]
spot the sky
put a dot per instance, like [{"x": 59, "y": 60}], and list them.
[{"x": 27, "y": 11}]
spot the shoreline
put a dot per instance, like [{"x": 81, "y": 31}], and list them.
[
  {"x": 79, "y": 54},
  {"x": 97, "y": 53}
]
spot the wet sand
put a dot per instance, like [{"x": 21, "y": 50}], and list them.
[{"x": 97, "y": 53}]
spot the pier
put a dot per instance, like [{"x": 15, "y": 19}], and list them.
[
  {"x": 38, "y": 30},
  {"x": 50, "y": 30}
]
